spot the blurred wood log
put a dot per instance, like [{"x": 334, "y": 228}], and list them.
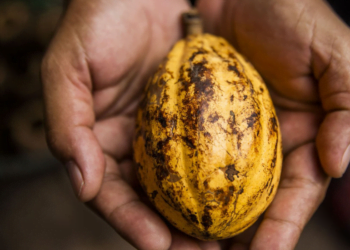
[
  {"x": 47, "y": 23},
  {"x": 34, "y": 66},
  {"x": 24, "y": 88},
  {"x": 27, "y": 85},
  {"x": 3, "y": 75},
  {"x": 27, "y": 127},
  {"x": 14, "y": 20}
]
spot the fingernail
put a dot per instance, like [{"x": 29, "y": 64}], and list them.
[
  {"x": 345, "y": 160},
  {"x": 76, "y": 177}
]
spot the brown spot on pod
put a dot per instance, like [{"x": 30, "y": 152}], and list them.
[
  {"x": 154, "y": 194},
  {"x": 194, "y": 218},
  {"x": 188, "y": 142},
  {"x": 273, "y": 162},
  {"x": 232, "y": 56},
  {"x": 272, "y": 187},
  {"x": 195, "y": 183},
  {"x": 240, "y": 191},
  {"x": 200, "y": 77},
  {"x": 207, "y": 134},
  {"x": 213, "y": 118},
  {"x": 232, "y": 121},
  {"x": 138, "y": 166},
  {"x": 199, "y": 52},
  {"x": 162, "y": 144},
  {"x": 218, "y": 192},
  {"x": 239, "y": 139},
  {"x": 165, "y": 98},
  {"x": 205, "y": 184},
  {"x": 162, "y": 81},
  {"x": 162, "y": 172},
  {"x": 227, "y": 198},
  {"x": 206, "y": 218},
  {"x": 234, "y": 69},
  {"x": 251, "y": 120},
  {"x": 162, "y": 119},
  {"x": 230, "y": 172},
  {"x": 273, "y": 124}
]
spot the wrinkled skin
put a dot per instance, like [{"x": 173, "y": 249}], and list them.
[{"x": 105, "y": 50}]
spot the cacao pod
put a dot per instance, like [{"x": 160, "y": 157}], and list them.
[{"x": 207, "y": 142}]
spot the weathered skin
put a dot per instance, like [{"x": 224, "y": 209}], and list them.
[{"x": 207, "y": 142}]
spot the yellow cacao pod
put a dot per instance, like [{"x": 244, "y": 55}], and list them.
[{"x": 207, "y": 142}]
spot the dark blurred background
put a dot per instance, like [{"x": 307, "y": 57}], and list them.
[{"x": 37, "y": 207}]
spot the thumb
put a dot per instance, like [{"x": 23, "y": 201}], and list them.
[
  {"x": 69, "y": 118},
  {"x": 331, "y": 61}
]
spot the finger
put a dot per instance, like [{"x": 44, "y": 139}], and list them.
[
  {"x": 289, "y": 104},
  {"x": 211, "y": 13},
  {"x": 180, "y": 241},
  {"x": 333, "y": 142},
  {"x": 70, "y": 118},
  {"x": 130, "y": 217},
  {"x": 302, "y": 188},
  {"x": 115, "y": 135},
  {"x": 297, "y": 128},
  {"x": 331, "y": 58}
]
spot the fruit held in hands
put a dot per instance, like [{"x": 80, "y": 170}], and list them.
[{"x": 207, "y": 143}]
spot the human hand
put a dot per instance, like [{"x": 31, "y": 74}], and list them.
[
  {"x": 301, "y": 48},
  {"x": 89, "y": 103},
  {"x": 93, "y": 76}
]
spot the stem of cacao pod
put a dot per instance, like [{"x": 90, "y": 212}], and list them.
[{"x": 192, "y": 22}]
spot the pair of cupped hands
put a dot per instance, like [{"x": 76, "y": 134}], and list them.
[{"x": 101, "y": 57}]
